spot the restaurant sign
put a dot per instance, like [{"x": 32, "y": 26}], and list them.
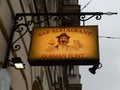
[{"x": 64, "y": 46}]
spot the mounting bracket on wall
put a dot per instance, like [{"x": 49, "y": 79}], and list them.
[{"x": 25, "y": 22}]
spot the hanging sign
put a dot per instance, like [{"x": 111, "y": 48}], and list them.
[{"x": 64, "y": 45}]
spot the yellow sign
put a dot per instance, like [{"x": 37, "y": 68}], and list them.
[{"x": 64, "y": 43}]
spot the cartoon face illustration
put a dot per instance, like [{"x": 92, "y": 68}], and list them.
[{"x": 63, "y": 39}]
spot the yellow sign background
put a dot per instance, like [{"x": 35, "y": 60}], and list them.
[{"x": 44, "y": 41}]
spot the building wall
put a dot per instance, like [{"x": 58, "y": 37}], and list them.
[
  {"x": 20, "y": 79},
  {"x": 32, "y": 77}
]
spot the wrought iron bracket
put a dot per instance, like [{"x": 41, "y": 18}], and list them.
[{"x": 25, "y": 22}]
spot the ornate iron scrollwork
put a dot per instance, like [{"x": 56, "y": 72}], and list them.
[
  {"x": 22, "y": 27},
  {"x": 24, "y": 22}
]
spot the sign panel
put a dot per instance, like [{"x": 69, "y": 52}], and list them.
[{"x": 64, "y": 45}]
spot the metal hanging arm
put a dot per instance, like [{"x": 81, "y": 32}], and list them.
[
  {"x": 82, "y": 16},
  {"x": 9, "y": 45},
  {"x": 21, "y": 25}
]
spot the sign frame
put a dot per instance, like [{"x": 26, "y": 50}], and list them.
[{"x": 65, "y": 61}]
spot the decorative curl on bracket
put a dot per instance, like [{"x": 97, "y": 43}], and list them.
[
  {"x": 84, "y": 18},
  {"x": 19, "y": 28},
  {"x": 33, "y": 21},
  {"x": 20, "y": 18},
  {"x": 98, "y": 17}
]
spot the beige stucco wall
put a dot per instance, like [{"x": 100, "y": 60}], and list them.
[
  {"x": 5, "y": 16},
  {"x": 20, "y": 79},
  {"x": 2, "y": 47}
]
